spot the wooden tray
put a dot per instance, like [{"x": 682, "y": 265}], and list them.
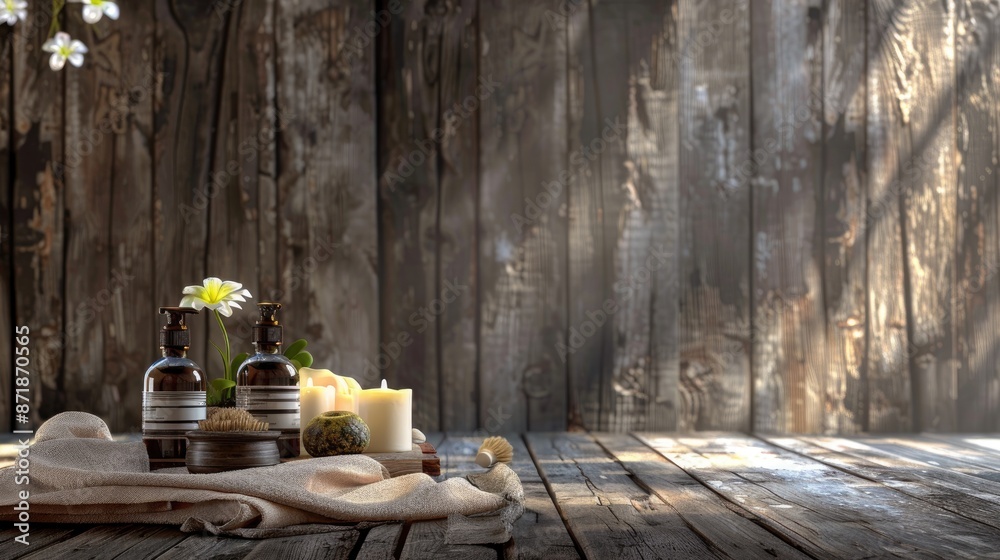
[{"x": 422, "y": 458}]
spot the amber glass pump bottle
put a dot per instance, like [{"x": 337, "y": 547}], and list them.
[
  {"x": 267, "y": 384},
  {"x": 173, "y": 394}
]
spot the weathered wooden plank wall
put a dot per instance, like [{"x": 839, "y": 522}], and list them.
[{"x": 605, "y": 214}]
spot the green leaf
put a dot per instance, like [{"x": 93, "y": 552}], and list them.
[
  {"x": 222, "y": 384},
  {"x": 305, "y": 358},
  {"x": 296, "y": 363},
  {"x": 238, "y": 361},
  {"x": 296, "y": 347}
]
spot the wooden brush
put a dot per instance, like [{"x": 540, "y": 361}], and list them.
[
  {"x": 232, "y": 420},
  {"x": 494, "y": 450}
]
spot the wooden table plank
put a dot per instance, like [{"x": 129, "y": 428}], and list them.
[
  {"x": 984, "y": 443},
  {"x": 958, "y": 493},
  {"x": 609, "y": 515},
  {"x": 322, "y": 546},
  {"x": 381, "y": 542},
  {"x": 940, "y": 454},
  {"x": 827, "y": 512},
  {"x": 729, "y": 529},
  {"x": 113, "y": 541},
  {"x": 40, "y": 537},
  {"x": 208, "y": 546}
]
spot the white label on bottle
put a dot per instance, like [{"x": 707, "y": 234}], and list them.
[
  {"x": 278, "y": 406},
  {"x": 172, "y": 410}
]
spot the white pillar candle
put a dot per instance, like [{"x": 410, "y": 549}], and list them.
[
  {"x": 312, "y": 403},
  {"x": 388, "y": 415},
  {"x": 346, "y": 388}
]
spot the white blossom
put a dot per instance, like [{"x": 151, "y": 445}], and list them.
[
  {"x": 13, "y": 10},
  {"x": 64, "y": 48}
]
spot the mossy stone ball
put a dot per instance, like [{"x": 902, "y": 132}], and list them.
[{"x": 335, "y": 433}]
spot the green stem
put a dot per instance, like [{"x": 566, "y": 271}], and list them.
[
  {"x": 57, "y": 6},
  {"x": 225, "y": 335}
]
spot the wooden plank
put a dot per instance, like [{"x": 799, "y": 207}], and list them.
[
  {"x": 608, "y": 514},
  {"x": 382, "y": 542},
  {"x": 246, "y": 125},
  {"x": 964, "y": 495},
  {"x": 458, "y": 247},
  {"x": 726, "y": 528},
  {"x": 425, "y": 540},
  {"x": 326, "y": 149},
  {"x": 131, "y": 320},
  {"x": 926, "y": 103},
  {"x": 940, "y": 453},
  {"x": 89, "y": 156},
  {"x": 984, "y": 443},
  {"x": 39, "y": 538},
  {"x": 207, "y": 546},
  {"x": 38, "y": 210},
  {"x": 789, "y": 331},
  {"x": 268, "y": 235},
  {"x": 902, "y": 164},
  {"x": 522, "y": 306},
  {"x": 637, "y": 88},
  {"x": 114, "y": 541},
  {"x": 7, "y": 402},
  {"x": 588, "y": 360},
  {"x": 825, "y": 512},
  {"x": 973, "y": 392},
  {"x": 410, "y": 203},
  {"x": 322, "y": 546},
  {"x": 715, "y": 118},
  {"x": 540, "y": 532},
  {"x": 188, "y": 54},
  {"x": 845, "y": 216}
]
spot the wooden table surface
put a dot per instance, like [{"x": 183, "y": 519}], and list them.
[{"x": 617, "y": 497}]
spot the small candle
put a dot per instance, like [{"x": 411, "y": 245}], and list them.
[
  {"x": 346, "y": 389},
  {"x": 312, "y": 403},
  {"x": 389, "y": 417}
]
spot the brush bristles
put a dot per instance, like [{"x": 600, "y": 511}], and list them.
[
  {"x": 232, "y": 420},
  {"x": 494, "y": 450}
]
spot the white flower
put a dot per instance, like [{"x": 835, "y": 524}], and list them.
[
  {"x": 64, "y": 48},
  {"x": 94, "y": 9},
  {"x": 13, "y": 10},
  {"x": 215, "y": 294}
]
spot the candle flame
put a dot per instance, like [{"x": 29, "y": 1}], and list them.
[
  {"x": 309, "y": 382},
  {"x": 384, "y": 384}
]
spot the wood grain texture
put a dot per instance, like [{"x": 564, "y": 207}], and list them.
[
  {"x": 109, "y": 541},
  {"x": 458, "y": 219},
  {"x": 708, "y": 515},
  {"x": 789, "y": 331},
  {"x": 38, "y": 201},
  {"x": 961, "y": 494},
  {"x": 246, "y": 124},
  {"x": 784, "y": 490},
  {"x": 522, "y": 247},
  {"x": 382, "y": 542},
  {"x": 607, "y": 512},
  {"x": 973, "y": 393},
  {"x": 844, "y": 216},
  {"x": 623, "y": 207},
  {"x": 326, "y": 156},
  {"x": 410, "y": 69},
  {"x": 927, "y": 106},
  {"x": 714, "y": 115},
  {"x": 889, "y": 391}
]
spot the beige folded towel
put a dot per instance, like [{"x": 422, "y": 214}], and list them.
[{"x": 81, "y": 476}]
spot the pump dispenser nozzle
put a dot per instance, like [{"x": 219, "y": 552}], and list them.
[
  {"x": 175, "y": 333},
  {"x": 267, "y": 330}
]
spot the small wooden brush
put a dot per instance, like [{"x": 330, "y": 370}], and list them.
[
  {"x": 232, "y": 420},
  {"x": 494, "y": 450}
]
